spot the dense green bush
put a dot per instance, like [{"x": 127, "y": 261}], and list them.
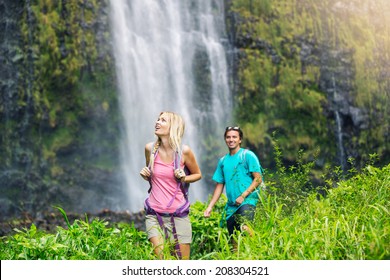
[{"x": 349, "y": 222}]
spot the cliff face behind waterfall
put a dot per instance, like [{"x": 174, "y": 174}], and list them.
[
  {"x": 60, "y": 125},
  {"x": 316, "y": 73}
]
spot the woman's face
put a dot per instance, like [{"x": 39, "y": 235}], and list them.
[{"x": 162, "y": 125}]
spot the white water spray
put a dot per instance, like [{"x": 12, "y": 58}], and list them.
[
  {"x": 169, "y": 57},
  {"x": 339, "y": 131}
]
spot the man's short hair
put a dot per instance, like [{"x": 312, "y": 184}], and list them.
[{"x": 234, "y": 128}]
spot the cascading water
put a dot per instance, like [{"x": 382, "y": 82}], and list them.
[
  {"x": 339, "y": 132},
  {"x": 169, "y": 57}
]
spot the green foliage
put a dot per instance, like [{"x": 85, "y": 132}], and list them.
[
  {"x": 70, "y": 90},
  {"x": 83, "y": 240},
  {"x": 259, "y": 7},
  {"x": 72, "y": 97},
  {"x": 291, "y": 185},
  {"x": 351, "y": 221},
  {"x": 208, "y": 235},
  {"x": 279, "y": 91},
  {"x": 63, "y": 213}
]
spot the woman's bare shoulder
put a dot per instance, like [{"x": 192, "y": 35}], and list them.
[
  {"x": 186, "y": 150},
  {"x": 148, "y": 146}
]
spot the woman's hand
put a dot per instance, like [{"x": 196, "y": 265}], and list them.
[
  {"x": 180, "y": 174},
  {"x": 145, "y": 173}
]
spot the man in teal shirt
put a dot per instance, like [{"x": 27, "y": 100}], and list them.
[{"x": 240, "y": 172}]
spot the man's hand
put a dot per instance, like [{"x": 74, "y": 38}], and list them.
[
  {"x": 240, "y": 200},
  {"x": 207, "y": 212}
]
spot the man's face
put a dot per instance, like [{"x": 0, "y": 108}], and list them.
[{"x": 232, "y": 139}]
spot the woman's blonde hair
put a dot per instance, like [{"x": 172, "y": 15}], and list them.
[{"x": 176, "y": 132}]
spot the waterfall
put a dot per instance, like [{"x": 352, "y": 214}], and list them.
[
  {"x": 339, "y": 125},
  {"x": 170, "y": 56},
  {"x": 340, "y": 145}
]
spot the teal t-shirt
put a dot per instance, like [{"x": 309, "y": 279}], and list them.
[{"x": 235, "y": 172}]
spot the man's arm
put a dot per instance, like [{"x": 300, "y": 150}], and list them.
[
  {"x": 216, "y": 195},
  {"x": 252, "y": 187}
]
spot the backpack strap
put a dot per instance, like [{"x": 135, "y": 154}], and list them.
[
  {"x": 180, "y": 185},
  {"x": 223, "y": 160},
  {"x": 182, "y": 211},
  {"x": 183, "y": 185},
  {"x": 243, "y": 158},
  {"x": 176, "y": 165},
  {"x": 153, "y": 152}
]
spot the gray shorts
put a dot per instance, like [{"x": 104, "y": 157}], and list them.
[{"x": 183, "y": 228}]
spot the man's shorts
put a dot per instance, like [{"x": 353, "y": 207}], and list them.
[
  {"x": 183, "y": 228},
  {"x": 245, "y": 212}
]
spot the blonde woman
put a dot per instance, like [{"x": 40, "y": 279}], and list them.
[{"x": 170, "y": 167}]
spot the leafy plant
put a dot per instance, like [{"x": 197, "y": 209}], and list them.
[{"x": 350, "y": 222}]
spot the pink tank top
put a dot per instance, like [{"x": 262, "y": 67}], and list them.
[{"x": 164, "y": 187}]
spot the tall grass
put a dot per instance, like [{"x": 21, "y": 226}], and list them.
[
  {"x": 82, "y": 240},
  {"x": 350, "y": 221}
]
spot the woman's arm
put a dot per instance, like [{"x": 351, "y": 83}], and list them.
[
  {"x": 145, "y": 172},
  {"x": 192, "y": 165}
]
